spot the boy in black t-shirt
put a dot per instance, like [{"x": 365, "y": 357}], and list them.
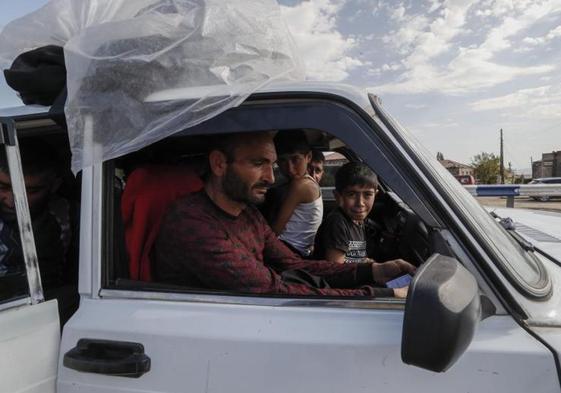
[{"x": 342, "y": 236}]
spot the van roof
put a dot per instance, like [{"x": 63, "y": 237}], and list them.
[
  {"x": 24, "y": 110},
  {"x": 352, "y": 93}
]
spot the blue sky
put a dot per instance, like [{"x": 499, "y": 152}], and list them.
[{"x": 452, "y": 72}]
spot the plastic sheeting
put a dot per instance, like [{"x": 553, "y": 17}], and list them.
[{"x": 121, "y": 53}]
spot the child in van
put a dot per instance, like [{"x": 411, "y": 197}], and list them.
[
  {"x": 342, "y": 236},
  {"x": 300, "y": 206},
  {"x": 315, "y": 168}
]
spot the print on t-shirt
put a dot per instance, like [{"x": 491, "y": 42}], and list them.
[
  {"x": 356, "y": 251},
  {"x": 339, "y": 232}
]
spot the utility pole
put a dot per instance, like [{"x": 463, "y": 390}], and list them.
[{"x": 502, "y": 168}]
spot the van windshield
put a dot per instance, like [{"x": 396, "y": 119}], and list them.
[{"x": 523, "y": 268}]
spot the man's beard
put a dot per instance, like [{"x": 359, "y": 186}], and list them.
[{"x": 238, "y": 190}]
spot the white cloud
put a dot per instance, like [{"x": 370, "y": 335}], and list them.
[
  {"x": 533, "y": 41},
  {"x": 539, "y": 102},
  {"x": 323, "y": 49},
  {"x": 426, "y": 39},
  {"x": 472, "y": 68},
  {"x": 519, "y": 98},
  {"x": 392, "y": 67},
  {"x": 433, "y": 6},
  {"x": 398, "y": 13},
  {"x": 403, "y": 39},
  {"x": 447, "y": 123},
  {"x": 416, "y": 106}
]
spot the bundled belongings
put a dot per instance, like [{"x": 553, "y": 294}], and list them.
[
  {"x": 39, "y": 76},
  {"x": 120, "y": 55}
]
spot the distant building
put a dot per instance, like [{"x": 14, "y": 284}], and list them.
[
  {"x": 457, "y": 168},
  {"x": 333, "y": 158},
  {"x": 548, "y": 166},
  {"x": 333, "y": 161}
]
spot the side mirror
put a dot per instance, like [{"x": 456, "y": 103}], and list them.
[{"x": 442, "y": 311}]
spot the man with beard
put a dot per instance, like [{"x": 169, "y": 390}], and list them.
[
  {"x": 53, "y": 221},
  {"x": 217, "y": 239}
]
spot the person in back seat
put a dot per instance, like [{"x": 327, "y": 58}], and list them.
[
  {"x": 301, "y": 207},
  {"x": 54, "y": 220},
  {"x": 342, "y": 236},
  {"x": 217, "y": 239},
  {"x": 149, "y": 191},
  {"x": 315, "y": 167}
]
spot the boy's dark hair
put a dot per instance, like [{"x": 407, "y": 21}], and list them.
[
  {"x": 317, "y": 156},
  {"x": 293, "y": 141},
  {"x": 353, "y": 174}
]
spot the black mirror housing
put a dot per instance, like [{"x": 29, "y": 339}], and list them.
[{"x": 442, "y": 311}]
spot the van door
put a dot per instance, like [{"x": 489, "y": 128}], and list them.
[
  {"x": 29, "y": 342},
  {"x": 29, "y": 326},
  {"x": 146, "y": 338},
  {"x": 196, "y": 346}
]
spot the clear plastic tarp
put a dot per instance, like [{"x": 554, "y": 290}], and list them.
[{"x": 119, "y": 54}]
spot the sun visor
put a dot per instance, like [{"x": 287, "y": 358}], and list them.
[{"x": 120, "y": 55}]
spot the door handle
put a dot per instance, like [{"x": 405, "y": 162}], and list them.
[{"x": 116, "y": 358}]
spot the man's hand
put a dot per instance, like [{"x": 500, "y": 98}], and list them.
[
  {"x": 386, "y": 271},
  {"x": 401, "y": 293}
]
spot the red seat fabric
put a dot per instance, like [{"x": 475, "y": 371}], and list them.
[{"x": 148, "y": 193}]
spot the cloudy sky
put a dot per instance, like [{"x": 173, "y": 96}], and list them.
[{"x": 452, "y": 72}]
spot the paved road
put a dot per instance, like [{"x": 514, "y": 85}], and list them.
[{"x": 523, "y": 203}]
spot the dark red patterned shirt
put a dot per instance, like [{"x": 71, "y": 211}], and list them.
[{"x": 200, "y": 245}]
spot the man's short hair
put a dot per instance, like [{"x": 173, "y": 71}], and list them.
[
  {"x": 37, "y": 157},
  {"x": 317, "y": 156},
  {"x": 355, "y": 174},
  {"x": 227, "y": 144},
  {"x": 291, "y": 141}
]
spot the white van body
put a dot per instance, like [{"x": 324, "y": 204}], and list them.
[{"x": 229, "y": 343}]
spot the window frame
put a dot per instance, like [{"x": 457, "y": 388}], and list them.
[
  {"x": 9, "y": 142},
  {"x": 368, "y": 140}
]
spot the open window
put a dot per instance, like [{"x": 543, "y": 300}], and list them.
[
  {"x": 404, "y": 226},
  {"x": 30, "y": 334},
  {"x": 52, "y": 196}
]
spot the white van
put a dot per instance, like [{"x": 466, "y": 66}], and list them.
[{"x": 483, "y": 312}]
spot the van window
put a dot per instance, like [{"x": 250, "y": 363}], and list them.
[
  {"x": 13, "y": 275},
  {"x": 141, "y": 188}
]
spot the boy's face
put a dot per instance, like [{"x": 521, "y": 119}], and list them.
[
  {"x": 315, "y": 169},
  {"x": 294, "y": 165},
  {"x": 356, "y": 201}
]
